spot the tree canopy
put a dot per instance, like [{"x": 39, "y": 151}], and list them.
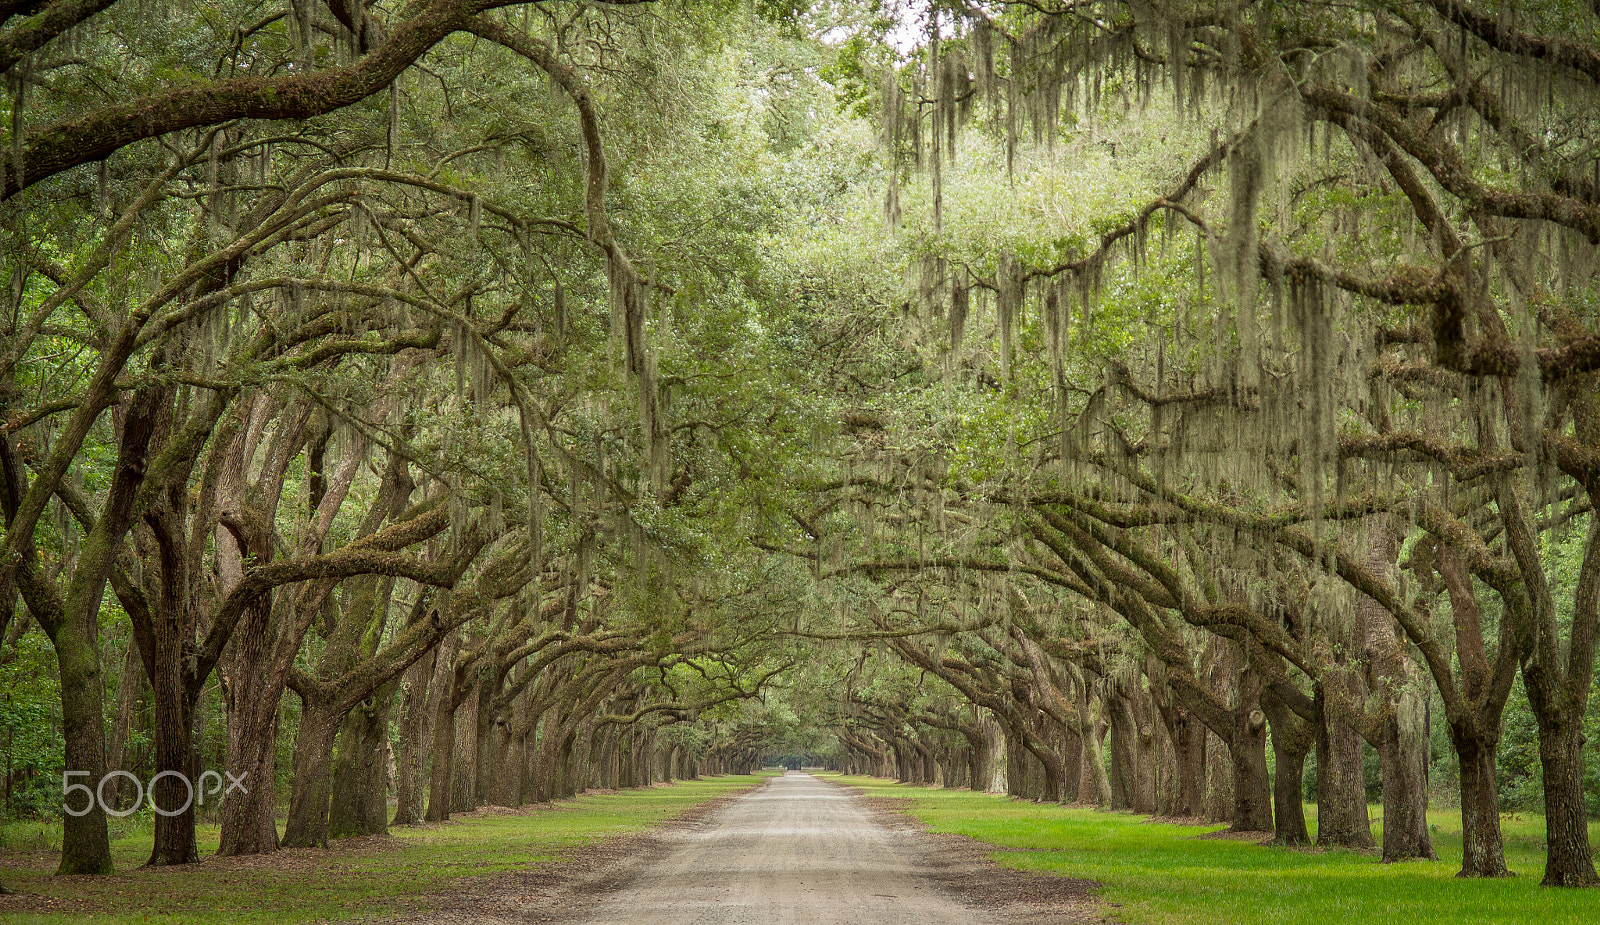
[{"x": 1174, "y": 406}]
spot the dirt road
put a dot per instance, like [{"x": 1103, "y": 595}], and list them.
[{"x": 796, "y": 851}]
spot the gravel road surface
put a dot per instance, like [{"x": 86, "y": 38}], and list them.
[{"x": 796, "y": 851}]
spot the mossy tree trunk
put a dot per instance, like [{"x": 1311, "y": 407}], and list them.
[
  {"x": 1292, "y": 740},
  {"x": 1558, "y": 689},
  {"x": 361, "y": 769},
  {"x": 415, "y": 728},
  {"x": 72, "y": 623},
  {"x": 1252, "y": 795},
  {"x": 1342, "y": 820}
]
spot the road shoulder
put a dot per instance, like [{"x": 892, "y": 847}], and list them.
[{"x": 964, "y": 867}]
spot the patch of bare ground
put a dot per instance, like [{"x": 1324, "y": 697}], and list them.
[
  {"x": 963, "y": 866},
  {"x": 554, "y": 892},
  {"x": 1182, "y": 820},
  {"x": 1257, "y": 838},
  {"x": 108, "y": 897},
  {"x": 21, "y": 902}
]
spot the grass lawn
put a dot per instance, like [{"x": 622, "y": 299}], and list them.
[
  {"x": 369, "y": 878},
  {"x": 1160, "y": 873}
]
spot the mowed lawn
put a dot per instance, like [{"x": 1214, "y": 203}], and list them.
[
  {"x": 1161, "y": 873},
  {"x": 365, "y": 879}
]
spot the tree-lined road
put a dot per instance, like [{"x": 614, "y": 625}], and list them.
[{"x": 797, "y": 850}]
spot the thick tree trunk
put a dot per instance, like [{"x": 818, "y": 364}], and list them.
[
  {"x": 444, "y": 743},
  {"x": 307, "y": 826},
  {"x": 1189, "y": 748},
  {"x": 175, "y": 780},
  {"x": 516, "y": 767},
  {"x": 173, "y": 694},
  {"x": 463, "y": 778},
  {"x": 994, "y": 735},
  {"x": 412, "y": 761},
  {"x": 1133, "y": 765},
  {"x": 1342, "y": 820},
  {"x": 1120, "y": 747},
  {"x": 1071, "y": 751},
  {"x": 1087, "y": 790},
  {"x": 1050, "y": 766},
  {"x": 1292, "y": 740},
  {"x": 1252, "y": 786},
  {"x": 1483, "y": 854},
  {"x": 624, "y": 760},
  {"x": 978, "y": 772},
  {"x": 1182, "y": 746},
  {"x": 570, "y": 771},
  {"x": 1289, "y": 811},
  {"x": 1017, "y": 760},
  {"x": 85, "y": 839},
  {"x": 249, "y": 824},
  {"x": 954, "y": 768},
  {"x": 1219, "y": 672},
  {"x": 1219, "y": 780},
  {"x": 251, "y": 696},
  {"x": 512, "y": 770},
  {"x": 1570, "y": 860},
  {"x": 1094, "y": 752},
  {"x": 501, "y": 780},
  {"x": 930, "y": 764},
  {"x": 361, "y": 769},
  {"x": 544, "y": 775},
  {"x": 484, "y": 741},
  {"x": 645, "y": 759},
  {"x": 1401, "y": 735},
  {"x": 604, "y": 760},
  {"x": 671, "y": 764},
  {"x": 1404, "y": 755}
]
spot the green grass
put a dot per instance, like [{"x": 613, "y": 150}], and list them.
[
  {"x": 371, "y": 879},
  {"x": 1160, "y": 873}
]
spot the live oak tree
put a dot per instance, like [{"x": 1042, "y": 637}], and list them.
[
  {"x": 570, "y": 395},
  {"x": 290, "y": 281},
  {"x": 1366, "y": 314}
]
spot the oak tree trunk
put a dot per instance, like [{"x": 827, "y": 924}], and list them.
[
  {"x": 85, "y": 840},
  {"x": 251, "y": 698},
  {"x": 174, "y": 793},
  {"x": 361, "y": 769},
  {"x": 1252, "y": 785},
  {"x": 1292, "y": 740},
  {"x": 1404, "y": 756},
  {"x": 1570, "y": 859},
  {"x": 411, "y": 762},
  {"x": 307, "y": 826},
  {"x": 1483, "y": 853},
  {"x": 1342, "y": 820}
]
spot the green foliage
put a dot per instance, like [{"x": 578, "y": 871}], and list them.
[{"x": 30, "y": 730}]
